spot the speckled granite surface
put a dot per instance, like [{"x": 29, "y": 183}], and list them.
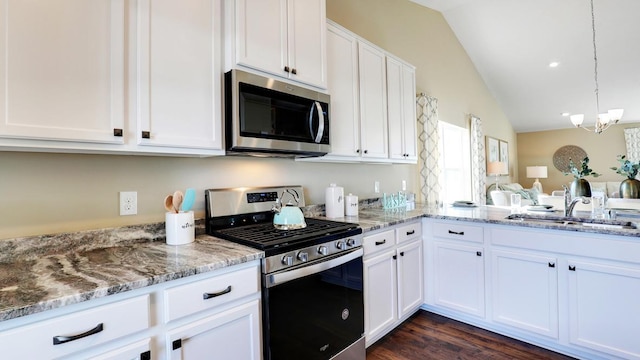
[{"x": 47, "y": 272}]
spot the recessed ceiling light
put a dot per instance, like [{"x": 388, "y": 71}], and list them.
[
  {"x": 554, "y": 64},
  {"x": 565, "y": 114}
]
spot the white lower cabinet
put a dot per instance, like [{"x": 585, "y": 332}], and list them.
[
  {"x": 380, "y": 294},
  {"x": 70, "y": 334},
  {"x": 232, "y": 334},
  {"x": 572, "y": 292},
  {"x": 459, "y": 277},
  {"x": 393, "y": 278},
  {"x": 214, "y": 315},
  {"x": 456, "y": 269},
  {"x": 524, "y": 291},
  {"x": 604, "y": 308}
]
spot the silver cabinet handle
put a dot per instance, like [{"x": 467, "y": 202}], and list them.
[
  {"x": 61, "y": 339},
  {"x": 206, "y": 296}
]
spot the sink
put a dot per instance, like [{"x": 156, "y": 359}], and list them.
[{"x": 572, "y": 221}]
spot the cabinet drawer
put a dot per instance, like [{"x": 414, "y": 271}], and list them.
[
  {"x": 98, "y": 325},
  {"x": 205, "y": 294},
  {"x": 408, "y": 232},
  {"x": 454, "y": 231},
  {"x": 379, "y": 241}
]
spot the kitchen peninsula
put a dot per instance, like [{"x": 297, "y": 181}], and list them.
[{"x": 545, "y": 283}]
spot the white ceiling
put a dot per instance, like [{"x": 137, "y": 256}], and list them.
[{"x": 512, "y": 42}]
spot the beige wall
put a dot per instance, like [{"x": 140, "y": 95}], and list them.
[
  {"x": 49, "y": 193},
  {"x": 537, "y": 148}
]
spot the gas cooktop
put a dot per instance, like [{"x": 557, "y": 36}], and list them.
[{"x": 265, "y": 237}]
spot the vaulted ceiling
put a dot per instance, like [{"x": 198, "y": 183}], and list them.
[{"x": 512, "y": 43}]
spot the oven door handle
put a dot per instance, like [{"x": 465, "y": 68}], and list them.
[{"x": 285, "y": 276}]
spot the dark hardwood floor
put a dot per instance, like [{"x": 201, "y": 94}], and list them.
[{"x": 429, "y": 336}]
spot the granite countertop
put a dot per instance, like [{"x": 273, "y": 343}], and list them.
[{"x": 48, "y": 272}]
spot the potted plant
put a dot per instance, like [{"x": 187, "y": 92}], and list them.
[
  {"x": 629, "y": 187},
  {"x": 580, "y": 186}
]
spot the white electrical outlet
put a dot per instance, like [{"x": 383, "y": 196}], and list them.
[
  {"x": 128, "y": 203},
  {"x": 376, "y": 186},
  {"x": 404, "y": 185}
]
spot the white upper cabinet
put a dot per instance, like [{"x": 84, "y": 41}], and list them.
[
  {"x": 62, "y": 72},
  {"x": 111, "y": 76},
  {"x": 373, "y": 102},
  {"x": 342, "y": 54},
  {"x": 373, "y": 115},
  {"x": 179, "y": 74},
  {"x": 401, "y": 109},
  {"x": 286, "y": 38}
]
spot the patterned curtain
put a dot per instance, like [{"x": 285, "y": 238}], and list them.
[
  {"x": 427, "y": 111},
  {"x": 478, "y": 164},
  {"x": 632, "y": 138}
]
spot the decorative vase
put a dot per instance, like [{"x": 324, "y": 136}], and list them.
[
  {"x": 580, "y": 187},
  {"x": 630, "y": 189}
]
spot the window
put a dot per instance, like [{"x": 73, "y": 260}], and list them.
[{"x": 455, "y": 163}]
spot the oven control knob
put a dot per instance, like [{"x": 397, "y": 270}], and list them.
[
  {"x": 303, "y": 256},
  {"x": 351, "y": 242},
  {"x": 322, "y": 250},
  {"x": 287, "y": 260},
  {"x": 340, "y": 244}
]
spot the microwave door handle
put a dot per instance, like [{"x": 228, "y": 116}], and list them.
[{"x": 318, "y": 109}]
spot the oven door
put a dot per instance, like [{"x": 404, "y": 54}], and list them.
[{"x": 315, "y": 311}]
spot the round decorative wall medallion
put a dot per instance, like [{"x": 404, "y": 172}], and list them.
[{"x": 561, "y": 157}]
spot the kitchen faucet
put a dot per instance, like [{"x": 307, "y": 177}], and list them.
[{"x": 569, "y": 203}]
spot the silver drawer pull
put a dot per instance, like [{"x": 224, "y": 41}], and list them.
[
  {"x": 60, "y": 339},
  {"x": 456, "y": 232},
  {"x": 206, "y": 296},
  {"x": 381, "y": 242}
]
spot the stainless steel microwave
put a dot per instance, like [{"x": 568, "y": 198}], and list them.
[{"x": 267, "y": 117}]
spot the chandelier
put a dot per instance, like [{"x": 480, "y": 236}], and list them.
[{"x": 609, "y": 118}]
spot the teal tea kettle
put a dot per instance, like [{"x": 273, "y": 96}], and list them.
[{"x": 289, "y": 216}]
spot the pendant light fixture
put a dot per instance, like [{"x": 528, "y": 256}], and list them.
[{"x": 604, "y": 120}]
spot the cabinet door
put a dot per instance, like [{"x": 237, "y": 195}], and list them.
[
  {"x": 261, "y": 35},
  {"x": 380, "y": 294},
  {"x": 603, "y": 308},
  {"x": 179, "y": 74},
  {"x": 410, "y": 278},
  {"x": 307, "y": 41},
  {"x": 459, "y": 277},
  {"x": 342, "y": 59},
  {"x": 62, "y": 72},
  {"x": 140, "y": 350},
  {"x": 232, "y": 334},
  {"x": 373, "y": 102},
  {"x": 401, "y": 110},
  {"x": 525, "y": 291},
  {"x": 409, "y": 119}
]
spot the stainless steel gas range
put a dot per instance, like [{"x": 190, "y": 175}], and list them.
[{"x": 312, "y": 293}]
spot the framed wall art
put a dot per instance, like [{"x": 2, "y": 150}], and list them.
[
  {"x": 504, "y": 152},
  {"x": 493, "y": 149}
]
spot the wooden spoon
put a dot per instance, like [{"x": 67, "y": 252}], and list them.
[
  {"x": 177, "y": 200},
  {"x": 168, "y": 203}
]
